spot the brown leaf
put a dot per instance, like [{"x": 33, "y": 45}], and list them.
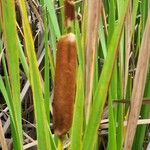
[
  {"x": 2, "y": 138},
  {"x": 138, "y": 86},
  {"x": 91, "y": 42}
]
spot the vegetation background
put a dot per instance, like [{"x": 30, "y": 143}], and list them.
[{"x": 112, "y": 99}]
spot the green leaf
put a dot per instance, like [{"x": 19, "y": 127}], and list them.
[
  {"x": 77, "y": 127},
  {"x": 10, "y": 33},
  {"x": 103, "y": 85},
  {"x": 42, "y": 124}
]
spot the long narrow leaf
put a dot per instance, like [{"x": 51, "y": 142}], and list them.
[
  {"x": 10, "y": 33},
  {"x": 103, "y": 85}
]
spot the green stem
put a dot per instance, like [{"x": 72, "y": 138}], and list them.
[{"x": 60, "y": 144}]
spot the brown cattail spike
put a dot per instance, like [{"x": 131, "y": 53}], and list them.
[
  {"x": 64, "y": 88},
  {"x": 69, "y": 12}
]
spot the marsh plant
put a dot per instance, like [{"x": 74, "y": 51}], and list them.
[{"x": 74, "y": 74}]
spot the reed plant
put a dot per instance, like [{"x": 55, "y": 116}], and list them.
[{"x": 74, "y": 74}]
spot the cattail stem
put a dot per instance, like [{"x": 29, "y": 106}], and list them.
[{"x": 60, "y": 144}]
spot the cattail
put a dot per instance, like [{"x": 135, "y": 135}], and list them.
[
  {"x": 64, "y": 88},
  {"x": 69, "y": 12}
]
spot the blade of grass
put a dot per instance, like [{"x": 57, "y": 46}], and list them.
[
  {"x": 2, "y": 138},
  {"x": 52, "y": 40},
  {"x": 128, "y": 37},
  {"x": 6, "y": 77},
  {"x": 23, "y": 60},
  {"x": 40, "y": 112},
  {"x": 130, "y": 27},
  {"x": 90, "y": 51},
  {"x": 113, "y": 87},
  {"x": 103, "y": 85},
  {"x": 112, "y": 144},
  {"x": 1, "y": 54},
  {"x": 120, "y": 108},
  {"x": 77, "y": 127},
  {"x": 141, "y": 130},
  {"x": 46, "y": 73},
  {"x": 46, "y": 69},
  {"x": 111, "y": 19},
  {"x": 102, "y": 38},
  {"x": 53, "y": 26},
  {"x": 84, "y": 23},
  {"x": 62, "y": 17},
  {"x": 120, "y": 114},
  {"x": 54, "y": 23},
  {"x": 10, "y": 34},
  {"x": 138, "y": 87},
  {"x": 145, "y": 111},
  {"x": 144, "y": 10},
  {"x": 80, "y": 51},
  {"x": 134, "y": 12},
  {"x": 52, "y": 68},
  {"x": 7, "y": 99}
]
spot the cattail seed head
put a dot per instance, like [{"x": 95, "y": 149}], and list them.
[
  {"x": 69, "y": 12},
  {"x": 64, "y": 88}
]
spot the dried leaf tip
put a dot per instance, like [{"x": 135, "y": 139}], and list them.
[
  {"x": 64, "y": 88},
  {"x": 69, "y": 12}
]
